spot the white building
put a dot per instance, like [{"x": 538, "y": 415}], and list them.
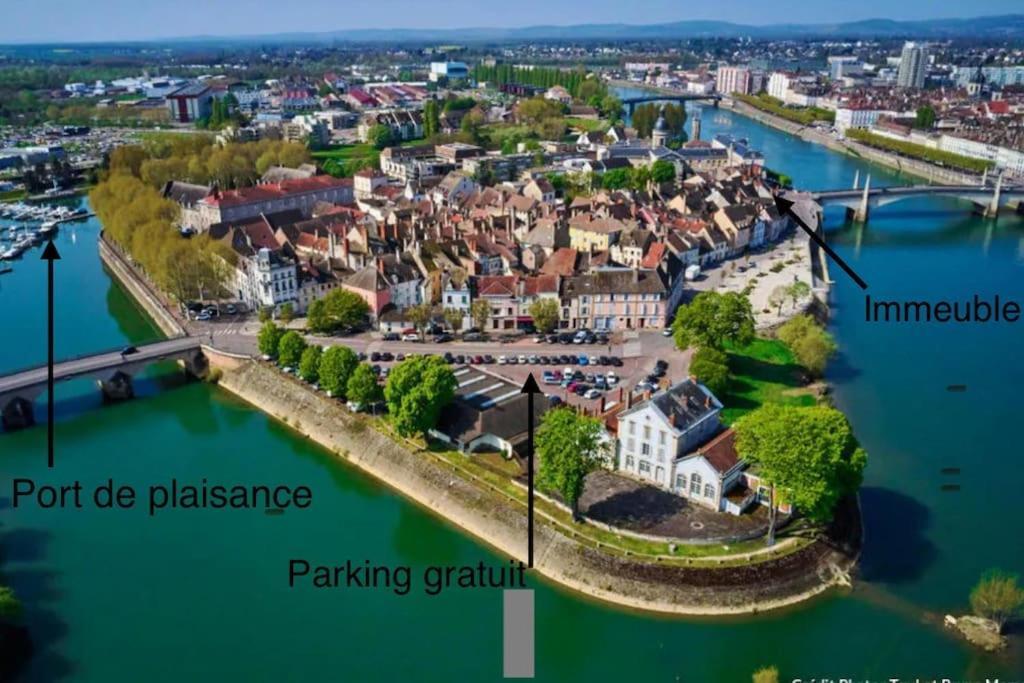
[
  {"x": 847, "y": 117},
  {"x": 449, "y": 70},
  {"x": 778, "y": 85},
  {"x": 266, "y": 280},
  {"x": 733, "y": 79},
  {"x": 913, "y": 63}
]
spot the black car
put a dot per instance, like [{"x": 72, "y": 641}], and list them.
[
  {"x": 580, "y": 389},
  {"x": 128, "y": 350},
  {"x": 376, "y": 369},
  {"x": 616, "y": 361},
  {"x": 399, "y": 356},
  {"x": 603, "y": 360},
  {"x": 387, "y": 356},
  {"x": 488, "y": 359},
  {"x": 660, "y": 365},
  {"x": 543, "y": 360},
  {"x": 565, "y": 338},
  {"x": 443, "y": 338},
  {"x": 374, "y": 357},
  {"x": 472, "y": 337},
  {"x": 552, "y": 339},
  {"x": 361, "y": 356},
  {"x": 448, "y": 357},
  {"x": 391, "y": 336},
  {"x": 460, "y": 358}
]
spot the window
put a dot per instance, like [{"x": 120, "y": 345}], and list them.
[
  {"x": 645, "y": 448},
  {"x": 645, "y": 467},
  {"x": 629, "y": 462},
  {"x": 681, "y": 482},
  {"x": 709, "y": 491},
  {"x": 630, "y": 445},
  {"x": 632, "y": 427},
  {"x": 695, "y": 484},
  {"x": 661, "y": 437},
  {"x": 647, "y": 432}
]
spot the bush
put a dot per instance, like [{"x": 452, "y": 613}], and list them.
[
  {"x": 998, "y": 597},
  {"x": 810, "y": 343}
]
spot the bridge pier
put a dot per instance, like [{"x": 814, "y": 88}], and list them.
[
  {"x": 117, "y": 388},
  {"x": 860, "y": 214},
  {"x": 992, "y": 210},
  {"x": 18, "y": 414},
  {"x": 196, "y": 364}
]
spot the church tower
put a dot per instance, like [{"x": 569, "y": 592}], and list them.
[
  {"x": 660, "y": 134},
  {"x": 696, "y": 125}
]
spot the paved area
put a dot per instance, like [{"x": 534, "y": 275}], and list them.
[
  {"x": 623, "y": 502},
  {"x": 791, "y": 261}
]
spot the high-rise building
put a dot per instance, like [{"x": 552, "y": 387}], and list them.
[
  {"x": 733, "y": 79},
  {"x": 913, "y": 62}
]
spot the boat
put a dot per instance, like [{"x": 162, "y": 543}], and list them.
[
  {"x": 48, "y": 228},
  {"x": 4, "y": 268}
]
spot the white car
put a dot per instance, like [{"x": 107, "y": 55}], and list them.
[
  {"x": 522, "y": 360},
  {"x": 568, "y": 372},
  {"x": 611, "y": 378},
  {"x": 354, "y": 406},
  {"x": 502, "y": 360},
  {"x": 411, "y": 337},
  {"x": 592, "y": 393}
]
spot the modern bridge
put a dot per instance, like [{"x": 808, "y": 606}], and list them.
[
  {"x": 859, "y": 201},
  {"x": 112, "y": 370},
  {"x": 631, "y": 102}
]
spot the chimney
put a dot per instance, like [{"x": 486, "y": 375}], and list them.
[
  {"x": 707, "y": 401},
  {"x": 672, "y": 419},
  {"x": 629, "y": 400},
  {"x": 380, "y": 265},
  {"x": 602, "y": 404}
]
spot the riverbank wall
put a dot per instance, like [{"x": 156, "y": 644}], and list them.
[
  {"x": 140, "y": 291},
  {"x": 502, "y": 524},
  {"x": 904, "y": 165}
]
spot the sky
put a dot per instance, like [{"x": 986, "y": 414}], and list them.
[{"x": 29, "y": 21}]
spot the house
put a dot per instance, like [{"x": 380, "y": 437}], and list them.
[
  {"x": 370, "y": 284},
  {"x": 189, "y": 103},
  {"x": 587, "y": 233},
  {"x": 452, "y": 189},
  {"x": 246, "y": 202},
  {"x": 266, "y": 279},
  {"x": 540, "y": 189},
  {"x": 615, "y": 299},
  {"x": 656, "y": 433}
]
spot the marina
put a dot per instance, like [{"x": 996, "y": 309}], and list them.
[{"x": 30, "y": 226}]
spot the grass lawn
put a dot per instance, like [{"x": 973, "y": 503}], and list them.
[
  {"x": 345, "y": 160},
  {"x": 763, "y": 372},
  {"x": 588, "y": 125},
  {"x": 499, "y": 132},
  {"x": 13, "y": 195}
]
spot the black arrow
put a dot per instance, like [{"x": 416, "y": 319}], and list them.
[
  {"x": 50, "y": 255},
  {"x": 785, "y": 207},
  {"x": 530, "y": 387}
]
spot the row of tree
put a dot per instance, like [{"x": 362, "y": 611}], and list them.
[{"x": 646, "y": 115}]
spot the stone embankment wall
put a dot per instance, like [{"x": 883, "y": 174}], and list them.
[
  {"x": 139, "y": 289},
  {"x": 503, "y": 525}
]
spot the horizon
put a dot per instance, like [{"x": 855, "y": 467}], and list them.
[{"x": 89, "y": 24}]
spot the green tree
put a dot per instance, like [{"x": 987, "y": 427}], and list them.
[
  {"x": 778, "y": 297},
  {"x": 812, "y": 344},
  {"x": 616, "y": 179},
  {"x": 711, "y": 368},
  {"x": 453, "y": 317},
  {"x": 286, "y": 314},
  {"x": 480, "y": 312},
  {"x": 417, "y": 390},
  {"x": 663, "y": 171},
  {"x": 798, "y": 290},
  {"x": 545, "y": 314},
  {"x": 309, "y": 363},
  {"x": 269, "y": 338},
  {"x": 290, "y": 348},
  {"x": 420, "y": 316},
  {"x": 10, "y": 606},
  {"x": 362, "y": 386},
  {"x": 339, "y": 308},
  {"x": 998, "y": 597},
  {"x": 925, "y": 117},
  {"x": 380, "y": 136},
  {"x": 767, "y": 674},
  {"x": 807, "y": 456},
  {"x": 569, "y": 448},
  {"x": 714, "y": 319},
  {"x": 336, "y": 366},
  {"x": 611, "y": 107}
]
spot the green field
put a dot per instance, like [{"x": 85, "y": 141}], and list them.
[
  {"x": 345, "y": 160},
  {"x": 763, "y": 372}
]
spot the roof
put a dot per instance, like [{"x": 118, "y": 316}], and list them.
[
  {"x": 487, "y": 404},
  {"x": 720, "y": 452},
  {"x": 683, "y": 404},
  {"x": 269, "y": 191},
  {"x": 618, "y": 281}
]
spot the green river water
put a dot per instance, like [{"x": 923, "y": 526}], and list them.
[{"x": 203, "y": 596}]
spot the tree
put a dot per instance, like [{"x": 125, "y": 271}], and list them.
[
  {"x": 309, "y": 363},
  {"x": 290, "y": 348},
  {"x": 611, "y": 107},
  {"x": 286, "y": 314},
  {"x": 10, "y": 606},
  {"x": 714, "y": 319},
  {"x": 545, "y": 314},
  {"x": 380, "y": 136},
  {"x": 767, "y": 674},
  {"x": 925, "y": 117},
  {"x": 431, "y": 118},
  {"x": 269, "y": 338},
  {"x": 480, "y": 312},
  {"x": 798, "y": 290},
  {"x": 416, "y": 391},
  {"x": 336, "y": 366},
  {"x": 807, "y": 456},
  {"x": 615, "y": 179},
  {"x": 810, "y": 343},
  {"x": 711, "y": 368},
  {"x": 778, "y": 297},
  {"x": 453, "y": 317},
  {"x": 339, "y": 308},
  {"x": 420, "y": 316},
  {"x": 569, "y": 448},
  {"x": 998, "y": 597},
  {"x": 362, "y": 386},
  {"x": 663, "y": 171}
]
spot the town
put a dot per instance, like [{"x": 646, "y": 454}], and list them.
[{"x": 575, "y": 291}]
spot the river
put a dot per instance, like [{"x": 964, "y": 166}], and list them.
[{"x": 118, "y": 595}]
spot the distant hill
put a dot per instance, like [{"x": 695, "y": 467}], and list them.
[{"x": 1010, "y": 26}]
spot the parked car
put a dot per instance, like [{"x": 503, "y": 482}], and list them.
[
  {"x": 502, "y": 360},
  {"x": 582, "y": 360},
  {"x": 410, "y": 337},
  {"x": 592, "y": 394},
  {"x": 472, "y": 337},
  {"x": 203, "y": 315},
  {"x": 459, "y": 359},
  {"x": 488, "y": 359},
  {"x": 533, "y": 360},
  {"x": 448, "y": 357},
  {"x": 616, "y": 361},
  {"x": 391, "y": 336},
  {"x": 443, "y": 338},
  {"x": 554, "y": 401},
  {"x": 231, "y": 309},
  {"x": 552, "y": 339}
]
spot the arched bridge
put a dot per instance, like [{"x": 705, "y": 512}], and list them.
[
  {"x": 859, "y": 201},
  {"x": 631, "y": 102},
  {"x": 112, "y": 370}
]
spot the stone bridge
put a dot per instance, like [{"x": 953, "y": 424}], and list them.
[
  {"x": 112, "y": 371},
  {"x": 630, "y": 103},
  {"x": 858, "y": 202}
]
